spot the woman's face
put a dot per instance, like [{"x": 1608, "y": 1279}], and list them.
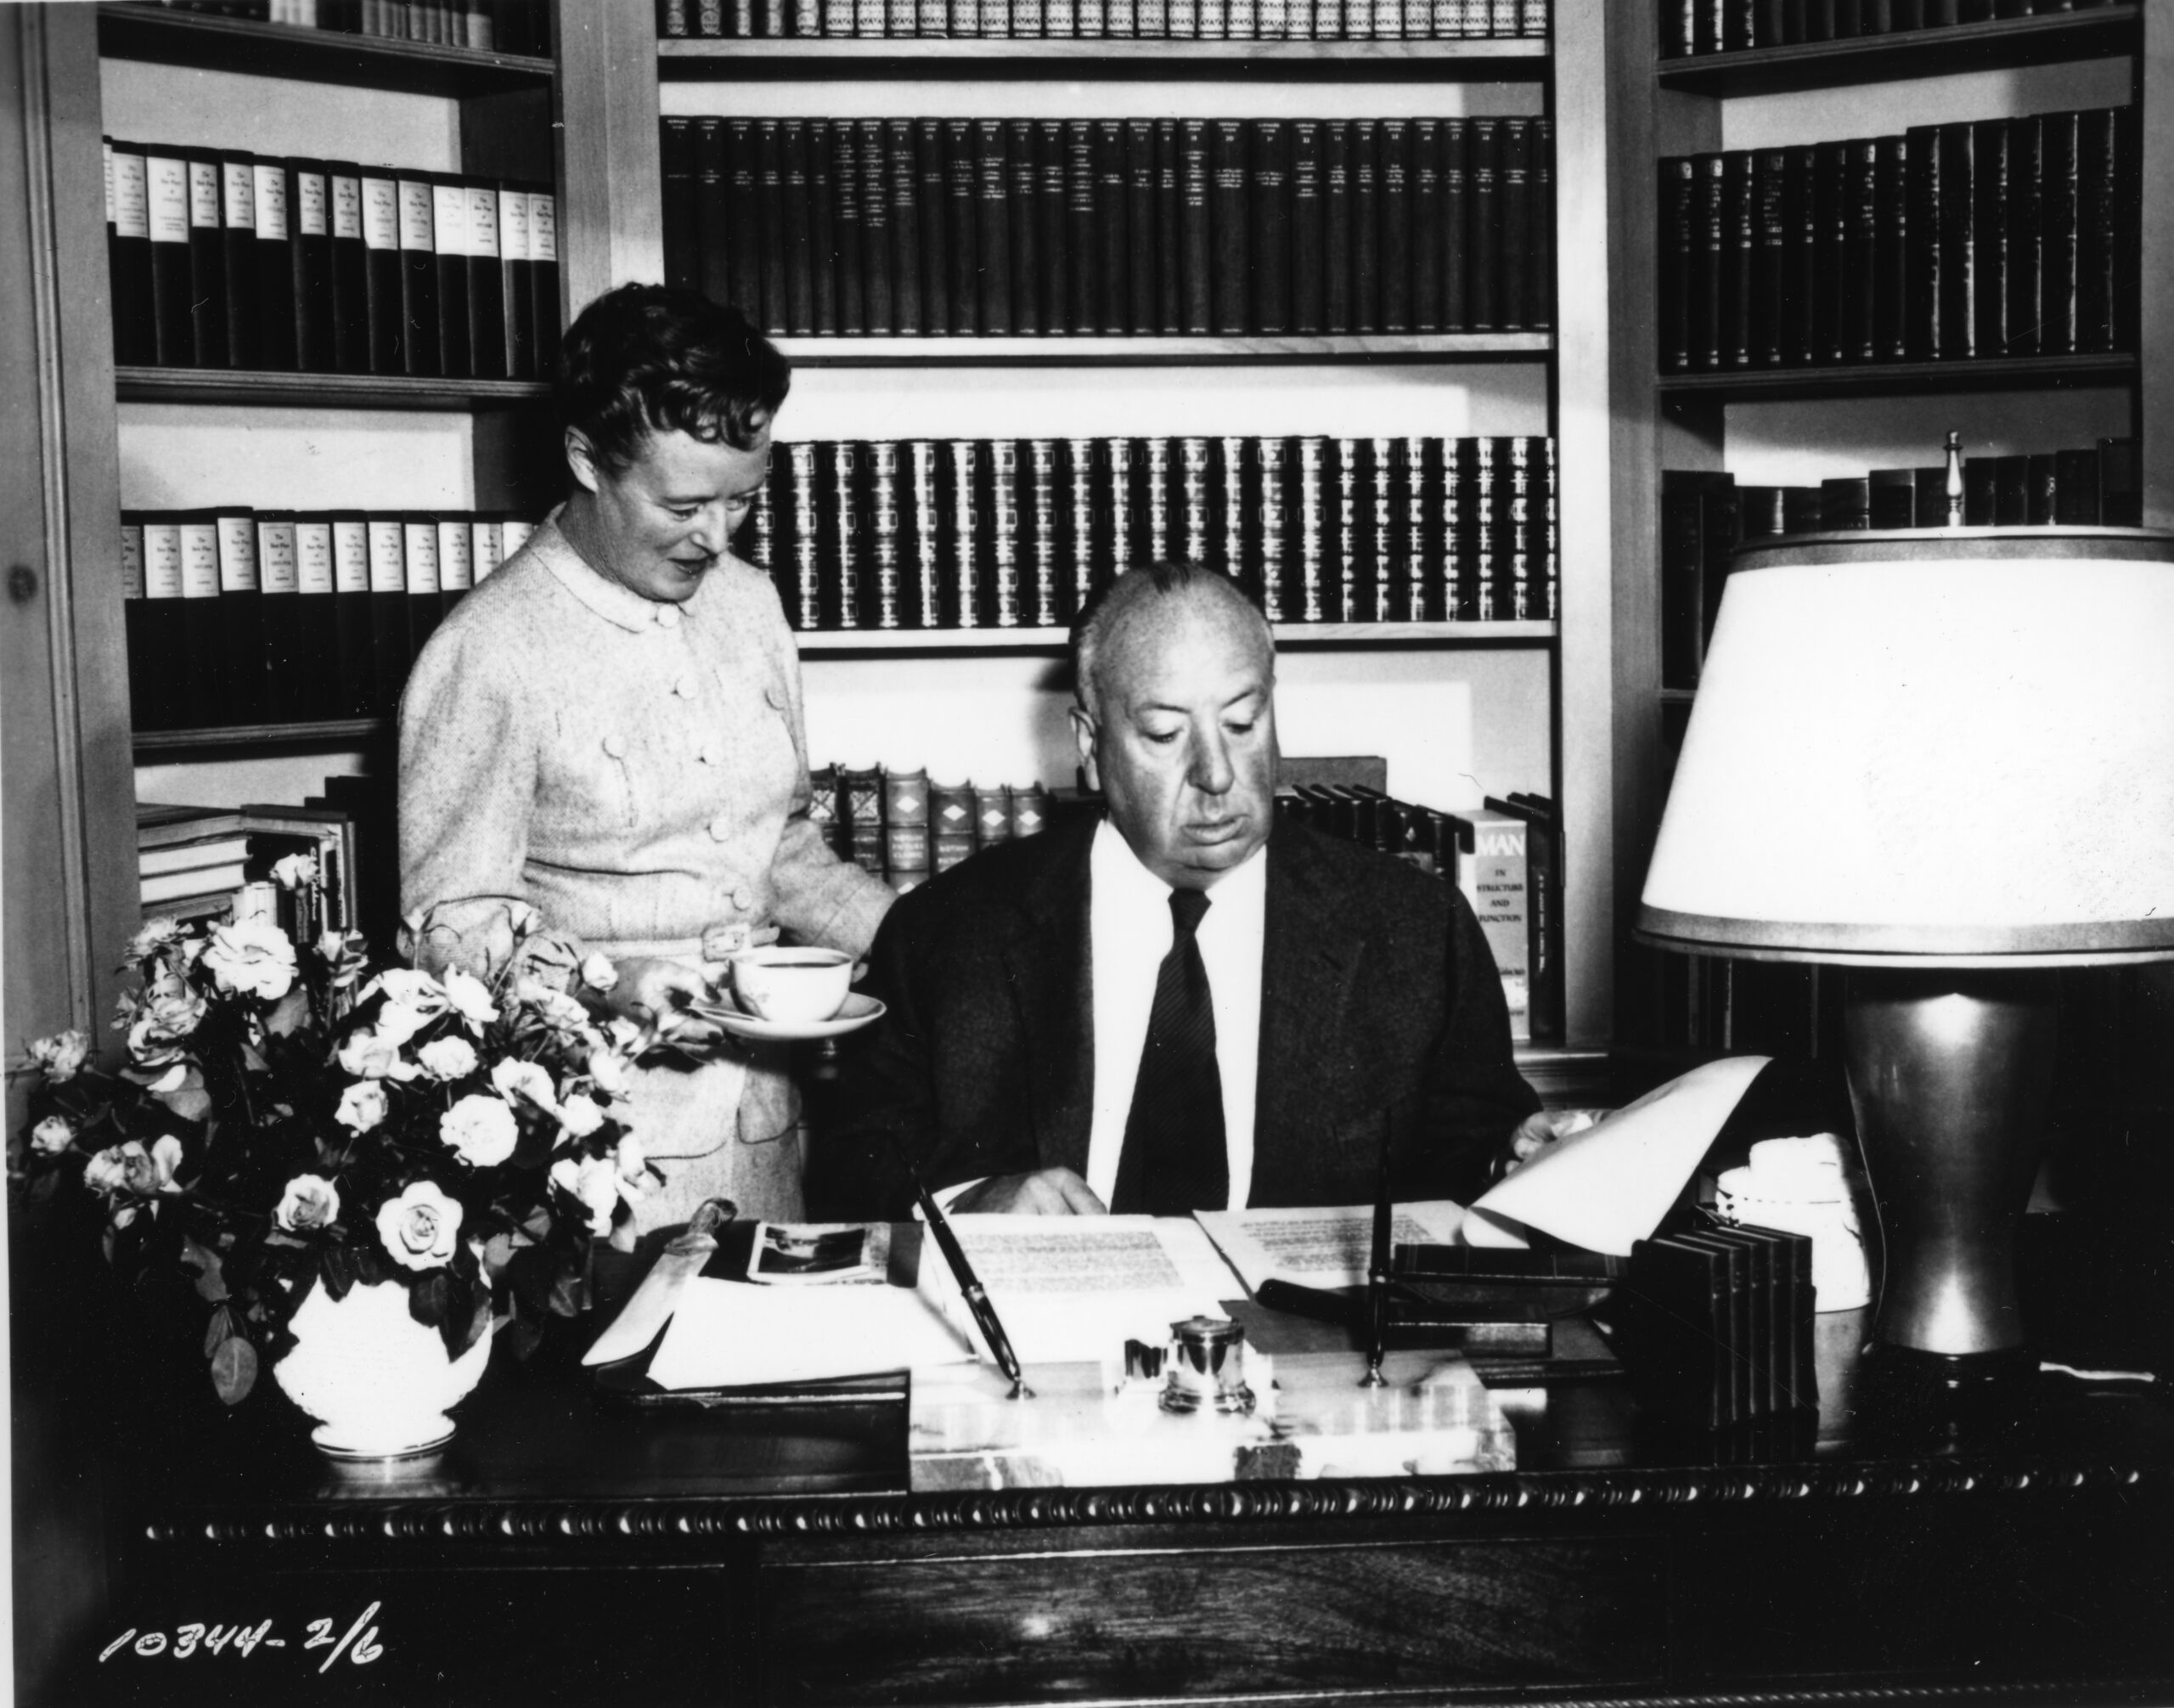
[{"x": 664, "y": 521}]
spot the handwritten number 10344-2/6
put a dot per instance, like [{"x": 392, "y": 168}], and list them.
[{"x": 359, "y": 1643}]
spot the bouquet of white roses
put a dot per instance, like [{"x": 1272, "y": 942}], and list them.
[{"x": 287, "y": 1120}]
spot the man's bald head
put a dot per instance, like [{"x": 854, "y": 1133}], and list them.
[{"x": 1156, "y": 595}]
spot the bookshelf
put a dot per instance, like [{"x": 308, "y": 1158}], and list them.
[
  {"x": 1798, "y": 426},
  {"x": 204, "y": 40}
]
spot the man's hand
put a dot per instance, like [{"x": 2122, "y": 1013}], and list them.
[
  {"x": 1046, "y": 1191},
  {"x": 1536, "y": 1134}
]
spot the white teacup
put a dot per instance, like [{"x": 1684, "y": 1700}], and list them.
[{"x": 792, "y": 987}]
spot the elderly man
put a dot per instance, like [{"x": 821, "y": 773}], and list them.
[{"x": 1183, "y": 1003}]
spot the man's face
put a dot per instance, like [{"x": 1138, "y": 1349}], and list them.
[
  {"x": 664, "y": 521},
  {"x": 1183, "y": 746}
]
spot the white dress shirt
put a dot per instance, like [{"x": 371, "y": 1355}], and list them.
[{"x": 1129, "y": 931}]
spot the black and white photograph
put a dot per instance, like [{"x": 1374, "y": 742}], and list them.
[{"x": 927, "y": 853}]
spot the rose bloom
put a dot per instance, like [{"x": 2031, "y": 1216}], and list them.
[
  {"x": 368, "y": 1057},
  {"x": 254, "y": 957},
  {"x": 168, "y": 1016},
  {"x": 152, "y": 1171},
  {"x": 107, "y": 1172},
  {"x": 597, "y": 972},
  {"x": 448, "y": 1059},
  {"x": 157, "y": 935},
  {"x": 310, "y": 1202},
  {"x": 412, "y": 1001},
  {"x": 612, "y": 1071},
  {"x": 362, "y": 1106},
  {"x": 481, "y": 1128},
  {"x": 580, "y": 1115},
  {"x": 514, "y": 1078},
  {"x": 595, "y": 1182},
  {"x": 470, "y": 999},
  {"x": 346, "y": 952},
  {"x": 295, "y": 870},
  {"x": 421, "y": 1227},
  {"x": 52, "y": 1135},
  {"x": 554, "y": 1007},
  {"x": 62, "y": 1056}
]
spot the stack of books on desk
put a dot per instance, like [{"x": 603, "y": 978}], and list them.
[{"x": 191, "y": 860}]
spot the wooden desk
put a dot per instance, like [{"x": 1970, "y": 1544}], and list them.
[{"x": 561, "y": 1552}]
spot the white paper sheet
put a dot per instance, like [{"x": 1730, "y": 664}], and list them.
[
  {"x": 1610, "y": 1184},
  {"x": 1321, "y": 1247},
  {"x": 730, "y": 1334}
]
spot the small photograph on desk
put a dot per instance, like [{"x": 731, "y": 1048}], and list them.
[{"x": 826, "y": 1253}]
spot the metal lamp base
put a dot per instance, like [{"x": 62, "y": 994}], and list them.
[{"x": 1950, "y": 1075}]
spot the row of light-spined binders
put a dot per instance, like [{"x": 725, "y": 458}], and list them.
[
  {"x": 1982, "y": 239},
  {"x": 1002, "y": 534},
  {"x": 1211, "y": 21},
  {"x": 225, "y": 259},
  {"x": 1115, "y": 226},
  {"x": 239, "y": 617},
  {"x": 500, "y": 26}
]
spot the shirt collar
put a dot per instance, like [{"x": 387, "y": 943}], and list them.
[
  {"x": 1117, "y": 876},
  {"x": 614, "y": 603}
]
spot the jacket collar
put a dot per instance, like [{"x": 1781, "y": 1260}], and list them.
[
  {"x": 607, "y": 599},
  {"x": 1050, "y": 972}
]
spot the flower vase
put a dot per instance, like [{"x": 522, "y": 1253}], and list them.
[{"x": 379, "y": 1383}]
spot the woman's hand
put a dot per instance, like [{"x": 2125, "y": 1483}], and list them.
[{"x": 654, "y": 992}]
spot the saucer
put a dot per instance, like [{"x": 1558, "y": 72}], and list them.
[{"x": 858, "y": 1012}]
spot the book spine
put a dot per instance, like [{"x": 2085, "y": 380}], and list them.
[
  {"x": 735, "y": 238},
  {"x": 951, "y": 823},
  {"x": 419, "y": 547},
  {"x": 879, "y": 297},
  {"x": 1888, "y": 261},
  {"x": 1484, "y": 226},
  {"x": 800, "y": 545},
  {"x": 1084, "y": 312},
  {"x": 1052, "y": 225},
  {"x": 1859, "y": 258},
  {"x": 710, "y": 210},
  {"x": 1043, "y": 596},
  {"x": 1168, "y": 249},
  {"x": 2103, "y": 217},
  {"x": 962, "y": 177},
  {"x": 286, "y": 679},
  {"x": 682, "y": 235},
  {"x": 2060, "y": 233},
  {"x": 1706, "y": 295},
  {"x": 486, "y": 312},
  {"x": 1309, "y": 602},
  {"x": 238, "y": 257},
  {"x": 862, "y": 798},
  {"x": 169, "y": 247},
  {"x": 1426, "y": 244},
  {"x": 1270, "y": 236},
  {"x": 544, "y": 278},
  {"x": 207, "y": 270},
  {"x": 456, "y": 567},
  {"x": 2026, "y": 261},
  {"x": 244, "y": 685},
  {"x": 1513, "y": 278},
  {"x": 1156, "y": 514},
  {"x": 968, "y": 538},
  {"x": 1140, "y": 198},
  {"x": 1455, "y": 236},
  {"x": 203, "y": 635},
  {"x": 1989, "y": 198},
  {"x": 933, "y": 210},
  {"x": 993, "y": 227},
  {"x": 391, "y": 652},
  {"x": 1394, "y": 170},
  {"x": 450, "y": 244},
  {"x": 794, "y": 236},
  {"x": 1540, "y": 270},
  {"x": 379, "y": 212},
  {"x": 906, "y": 828},
  {"x": 1192, "y": 509},
  {"x": 1232, "y": 540},
  {"x": 921, "y": 598},
  {"x": 420, "y": 350},
  {"x": 273, "y": 262},
  {"x": 1020, "y": 180},
  {"x": 1002, "y": 599},
  {"x": 760, "y": 229},
  {"x": 1958, "y": 315},
  {"x": 1269, "y": 519},
  {"x": 1076, "y": 518},
  {"x": 354, "y": 676},
  {"x": 1366, "y": 231},
  {"x": 1112, "y": 223},
  {"x": 517, "y": 276},
  {"x": 842, "y": 516},
  {"x": 157, "y": 662},
  {"x": 886, "y": 490},
  {"x": 1196, "y": 233},
  {"x": 128, "y": 255},
  {"x": 1229, "y": 222}
]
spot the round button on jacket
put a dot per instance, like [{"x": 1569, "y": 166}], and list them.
[
  {"x": 685, "y": 687},
  {"x": 712, "y": 753},
  {"x": 667, "y": 617},
  {"x": 616, "y": 746},
  {"x": 720, "y": 828},
  {"x": 743, "y": 898}
]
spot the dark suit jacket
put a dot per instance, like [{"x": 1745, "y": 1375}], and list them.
[{"x": 1379, "y": 1003}]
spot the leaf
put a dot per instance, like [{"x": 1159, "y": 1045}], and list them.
[
  {"x": 569, "y": 1295},
  {"x": 525, "y": 1334},
  {"x": 430, "y": 1298},
  {"x": 233, "y": 1370},
  {"x": 192, "y": 1102},
  {"x": 290, "y": 1014},
  {"x": 221, "y": 1331},
  {"x": 340, "y": 1271},
  {"x": 211, "y": 1281}
]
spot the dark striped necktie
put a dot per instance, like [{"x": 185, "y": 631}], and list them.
[{"x": 1174, "y": 1161}]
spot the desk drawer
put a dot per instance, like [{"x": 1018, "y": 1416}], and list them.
[{"x": 1229, "y": 1620}]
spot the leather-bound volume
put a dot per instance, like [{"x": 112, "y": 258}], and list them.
[
  {"x": 2024, "y": 218},
  {"x": 1229, "y": 219},
  {"x": 1540, "y": 269},
  {"x": 1312, "y": 496},
  {"x": 147, "y": 655},
  {"x": 1113, "y": 237},
  {"x": 1424, "y": 205},
  {"x": 798, "y": 570},
  {"x": 1704, "y": 304},
  {"x": 2060, "y": 233},
  {"x": 962, "y": 210},
  {"x": 860, "y": 800},
  {"x": 822, "y": 230},
  {"x": 1309, "y": 251},
  {"x": 1197, "y": 269},
  {"x": 841, "y": 517},
  {"x": 1857, "y": 261},
  {"x": 1953, "y": 224},
  {"x": 885, "y": 493},
  {"x": 205, "y": 637},
  {"x": 309, "y": 255},
  {"x": 1084, "y": 309},
  {"x": 355, "y": 678},
  {"x": 709, "y": 222},
  {"x": 1768, "y": 211},
  {"x": 129, "y": 261},
  {"x": 1076, "y": 520},
  {"x": 170, "y": 252},
  {"x": 1271, "y": 487},
  {"x": 1888, "y": 261},
  {"x": 934, "y": 212},
  {"x": 1041, "y": 598},
  {"x": 273, "y": 260},
  {"x": 285, "y": 669},
  {"x": 418, "y": 550},
  {"x": 243, "y": 694},
  {"x": 921, "y": 592},
  {"x": 1514, "y": 254},
  {"x": 2107, "y": 216},
  {"x": 456, "y": 559},
  {"x": 1365, "y": 228},
  {"x": 390, "y": 653},
  {"x": 683, "y": 254},
  {"x": 1169, "y": 319},
  {"x": 1457, "y": 243},
  {"x": 2121, "y": 484},
  {"x": 1349, "y": 569},
  {"x": 793, "y": 236},
  {"x": 1270, "y": 196},
  {"x": 879, "y": 302},
  {"x": 992, "y": 815},
  {"x": 416, "y": 338},
  {"x": 992, "y": 227},
  {"x": 449, "y": 222},
  {"x": 317, "y": 626},
  {"x": 1191, "y": 515},
  {"x": 517, "y": 277},
  {"x": 1921, "y": 245},
  {"x": 964, "y": 521},
  {"x": 766, "y": 232},
  {"x": 238, "y": 256},
  {"x": 1001, "y": 597},
  {"x": 1052, "y": 230},
  {"x": 951, "y": 823},
  {"x": 1231, "y": 501},
  {"x": 487, "y": 355},
  {"x": 742, "y": 226},
  {"x": 1483, "y": 223},
  {"x": 207, "y": 263},
  {"x": 906, "y": 846},
  {"x": 1989, "y": 249},
  {"x": 847, "y": 228},
  {"x": 1140, "y": 204}
]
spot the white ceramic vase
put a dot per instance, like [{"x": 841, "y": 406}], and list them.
[{"x": 378, "y": 1382}]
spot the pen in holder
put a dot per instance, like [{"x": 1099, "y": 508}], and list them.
[{"x": 1207, "y": 1367}]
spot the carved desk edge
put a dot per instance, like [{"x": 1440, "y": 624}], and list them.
[{"x": 548, "y": 1521}]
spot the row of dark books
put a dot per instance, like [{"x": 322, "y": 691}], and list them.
[
  {"x": 1506, "y": 858},
  {"x": 899, "y": 826},
  {"x": 1705, "y": 516},
  {"x": 1211, "y": 21},
  {"x": 237, "y": 616},
  {"x": 225, "y": 259},
  {"x": 1726, "y": 26},
  {"x": 975, "y": 534},
  {"x": 1129, "y": 226},
  {"x": 1991, "y": 238},
  {"x": 502, "y": 26}
]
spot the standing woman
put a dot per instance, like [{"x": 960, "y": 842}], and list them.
[{"x": 609, "y": 728}]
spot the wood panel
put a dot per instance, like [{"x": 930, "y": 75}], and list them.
[{"x": 1251, "y": 1620}]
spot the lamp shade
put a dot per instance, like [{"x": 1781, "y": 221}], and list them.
[{"x": 1930, "y": 749}]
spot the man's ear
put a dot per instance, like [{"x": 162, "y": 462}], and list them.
[
  {"x": 581, "y": 457},
  {"x": 1083, "y": 735}
]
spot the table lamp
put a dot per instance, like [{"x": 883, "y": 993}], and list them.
[{"x": 1944, "y": 761}]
